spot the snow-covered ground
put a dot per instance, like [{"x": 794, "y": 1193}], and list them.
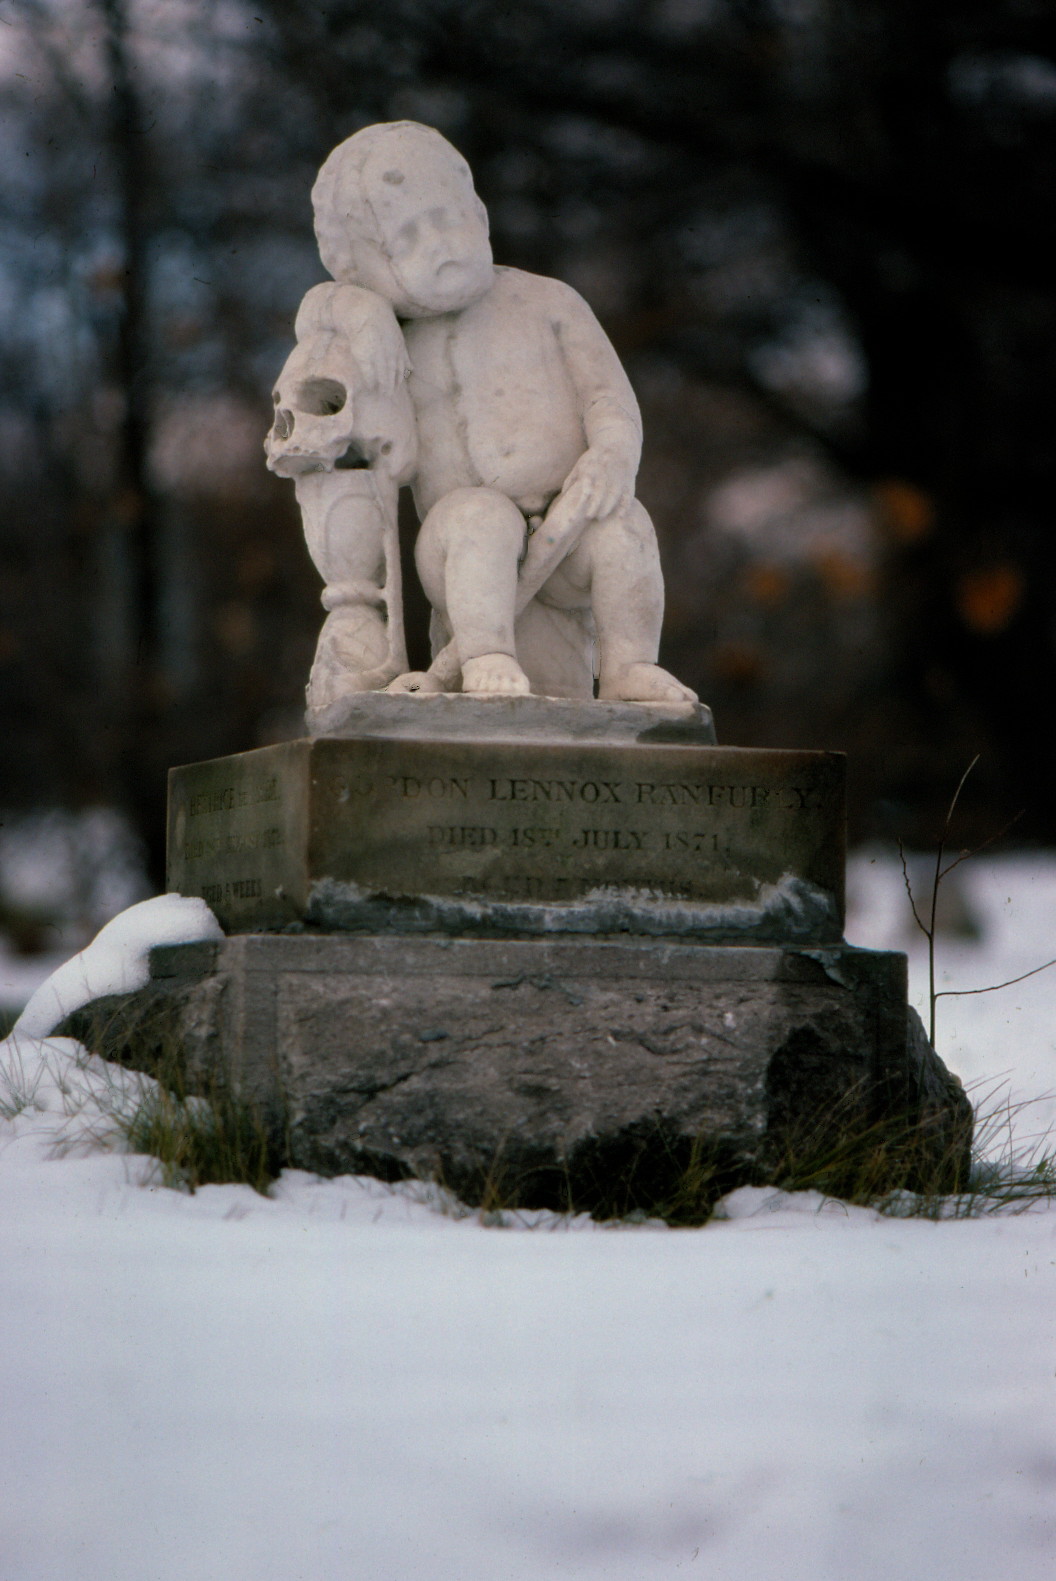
[{"x": 344, "y": 1382}]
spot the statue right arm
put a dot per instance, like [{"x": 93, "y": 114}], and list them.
[
  {"x": 366, "y": 321},
  {"x": 344, "y": 384}
]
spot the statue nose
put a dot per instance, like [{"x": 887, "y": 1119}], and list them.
[{"x": 283, "y": 424}]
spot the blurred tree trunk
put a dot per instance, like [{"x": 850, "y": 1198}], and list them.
[{"x": 132, "y": 526}]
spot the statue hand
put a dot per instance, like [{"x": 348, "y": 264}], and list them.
[
  {"x": 382, "y": 356},
  {"x": 599, "y": 483}
]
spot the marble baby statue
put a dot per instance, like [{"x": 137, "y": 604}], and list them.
[{"x": 528, "y": 434}]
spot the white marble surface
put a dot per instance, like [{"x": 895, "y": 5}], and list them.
[{"x": 516, "y": 425}]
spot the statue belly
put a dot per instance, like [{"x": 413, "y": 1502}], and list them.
[
  {"x": 495, "y": 404},
  {"x": 522, "y": 426}
]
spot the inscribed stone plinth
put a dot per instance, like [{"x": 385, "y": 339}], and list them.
[{"x": 515, "y": 836}]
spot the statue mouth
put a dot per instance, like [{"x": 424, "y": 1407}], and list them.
[{"x": 451, "y": 286}]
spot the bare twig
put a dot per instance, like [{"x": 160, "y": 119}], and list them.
[
  {"x": 983, "y": 844},
  {"x": 909, "y": 889},
  {"x": 959, "y": 993},
  {"x": 932, "y": 997},
  {"x": 928, "y": 929}
]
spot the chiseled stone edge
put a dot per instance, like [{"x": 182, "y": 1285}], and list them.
[
  {"x": 791, "y": 911},
  {"x": 450, "y": 716}
]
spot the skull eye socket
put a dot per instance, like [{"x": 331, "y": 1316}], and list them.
[{"x": 321, "y": 397}]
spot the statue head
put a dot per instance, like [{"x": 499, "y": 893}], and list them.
[{"x": 395, "y": 212}]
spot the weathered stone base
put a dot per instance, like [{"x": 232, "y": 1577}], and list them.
[{"x": 587, "y": 1074}]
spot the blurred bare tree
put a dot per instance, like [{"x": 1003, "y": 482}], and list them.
[{"x": 820, "y": 234}]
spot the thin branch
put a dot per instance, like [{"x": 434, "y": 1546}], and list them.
[
  {"x": 909, "y": 889},
  {"x": 954, "y": 800},
  {"x": 932, "y": 995},
  {"x": 984, "y": 844},
  {"x": 959, "y": 993}
]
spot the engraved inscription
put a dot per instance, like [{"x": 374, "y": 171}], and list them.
[
  {"x": 434, "y": 789},
  {"x": 589, "y": 791},
  {"x": 695, "y": 836},
  {"x": 231, "y": 798},
  {"x": 411, "y": 787},
  {"x": 609, "y": 840},
  {"x": 503, "y": 821},
  {"x": 234, "y": 889},
  {"x": 461, "y": 839},
  {"x": 237, "y": 834},
  {"x": 569, "y": 886},
  {"x": 694, "y": 840},
  {"x": 522, "y": 886},
  {"x": 235, "y": 844},
  {"x": 788, "y": 798}
]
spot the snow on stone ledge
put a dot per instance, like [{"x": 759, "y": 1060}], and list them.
[{"x": 46, "y": 1073}]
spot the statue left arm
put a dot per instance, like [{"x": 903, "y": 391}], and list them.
[
  {"x": 602, "y": 480},
  {"x": 603, "y": 477}
]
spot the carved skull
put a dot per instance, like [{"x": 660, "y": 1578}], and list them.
[{"x": 313, "y": 427}]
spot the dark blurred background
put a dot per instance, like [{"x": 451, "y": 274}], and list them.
[{"x": 819, "y": 232}]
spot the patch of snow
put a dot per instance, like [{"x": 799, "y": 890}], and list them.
[
  {"x": 56, "y": 1074},
  {"x": 347, "y": 1379},
  {"x": 118, "y": 959}
]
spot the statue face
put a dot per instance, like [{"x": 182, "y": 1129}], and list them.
[{"x": 434, "y": 232}]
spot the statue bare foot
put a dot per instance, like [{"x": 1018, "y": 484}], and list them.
[
  {"x": 644, "y": 683},
  {"x": 494, "y": 675},
  {"x": 415, "y": 681}
]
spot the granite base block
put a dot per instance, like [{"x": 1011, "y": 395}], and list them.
[{"x": 586, "y": 1074}]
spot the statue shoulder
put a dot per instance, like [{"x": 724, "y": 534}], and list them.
[
  {"x": 561, "y": 303},
  {"x": 540, "y": 288}
]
